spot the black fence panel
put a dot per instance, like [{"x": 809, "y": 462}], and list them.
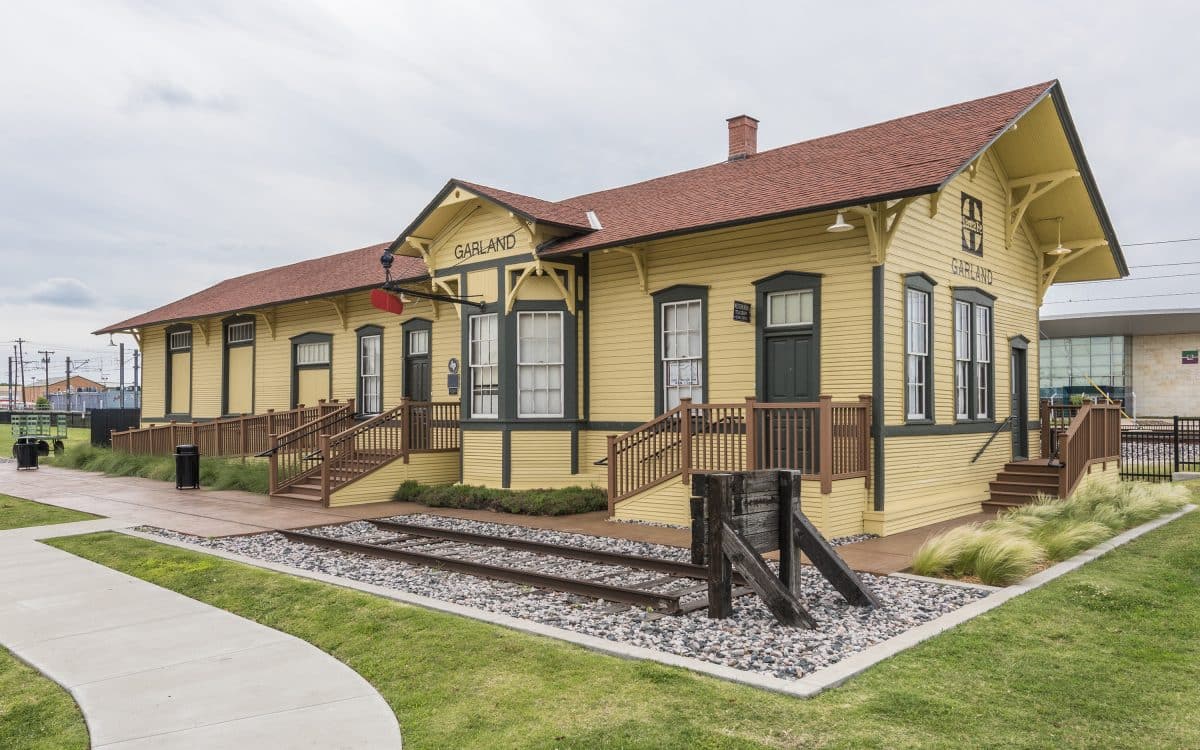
[
  {"x": 104, "y": 421},
  {"x": 1152, "y": 452}
]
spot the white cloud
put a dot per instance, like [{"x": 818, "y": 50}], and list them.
[{"x": 63, "y": 292}]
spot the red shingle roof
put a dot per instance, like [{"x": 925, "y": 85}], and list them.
[
  {"x": 906, "y": 156},
  {"x": 332, "y": 274}
]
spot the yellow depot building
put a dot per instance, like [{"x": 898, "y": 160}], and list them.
[{"x": 861, "y": 307}]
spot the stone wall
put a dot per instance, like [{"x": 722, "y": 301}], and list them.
[{"x": 1162, "y": 385}]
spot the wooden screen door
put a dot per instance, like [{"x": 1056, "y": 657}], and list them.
[
  {"x": 1019, "y": 388},
  {"x": 791, "y": 372}
]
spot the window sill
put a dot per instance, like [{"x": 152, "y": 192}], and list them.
[{"x": 919, "y": 420}]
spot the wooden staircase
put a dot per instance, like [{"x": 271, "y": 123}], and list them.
[
  {"x": 340, "y": 474},
  {"x": 1020, "y": 481}
]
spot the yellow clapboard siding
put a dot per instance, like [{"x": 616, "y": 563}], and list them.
[
  {"x": 181, "y": 382},
  {"x": 482, "y": 222},
  {"x": 663, "y": 503},
  {"x": 381, "y": 484},
  {"x": 542, "y": 460},
  {"x": 481, "y": 458},
  {"x": 153, "y": 364}
]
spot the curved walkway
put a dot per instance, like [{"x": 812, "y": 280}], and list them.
[{"x": 154, "y": 669}]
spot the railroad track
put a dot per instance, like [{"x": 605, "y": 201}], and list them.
[{"x": 678, "y": 587}]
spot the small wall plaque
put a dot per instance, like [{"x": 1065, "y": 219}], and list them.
[
  {"x": 1190, "y": 357},
  {"x": 741, "y": 312}
]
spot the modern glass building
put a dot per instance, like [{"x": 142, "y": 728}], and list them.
[{"x": 1080, "y": 365}]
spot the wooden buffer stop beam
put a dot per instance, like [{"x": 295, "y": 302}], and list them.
[{"x": 737, "y": 517}]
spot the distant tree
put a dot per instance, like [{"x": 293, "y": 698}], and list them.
[{"x": 42, "y": 403}]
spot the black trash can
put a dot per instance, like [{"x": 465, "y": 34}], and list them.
[
  {"x": 187, "y": 467},
  {"x": 26, "y": 452}
]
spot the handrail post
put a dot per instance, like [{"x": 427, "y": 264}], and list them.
[
  {"x": 751, "y": 433},
  {"x": 685, "y": 439},
  {"x": 406, "y": 424},
  {"x": 865, "y": 402},
  {"x": 825, "y": 438},
  {"x": 244, "y": 447},
  {"x": 612, "y": 472},
  {"x": 1044, "y": 426},
  {"x": 273, "y": 465},
  {"x": 323, "y": 442}
]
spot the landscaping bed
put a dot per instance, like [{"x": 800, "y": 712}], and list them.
[
  {"x": 249, "y": 475},
  {"x": 553, "y": 502},
  {"x": 1028, "y": 538},
  {"x": 750, "y": 640}
]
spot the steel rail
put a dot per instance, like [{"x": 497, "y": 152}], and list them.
[
  {"x": 667, "y": 603},
  {"x": 681, "y": 569}
]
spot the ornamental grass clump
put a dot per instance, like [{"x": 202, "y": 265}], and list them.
[
  {"x": 1011, "y": 546},
  {"x": 218, "y": 473}
]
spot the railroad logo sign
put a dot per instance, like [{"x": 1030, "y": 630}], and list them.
[
  {"x": 1190, "y": 357},
  {"x": 972, "y": 225}
]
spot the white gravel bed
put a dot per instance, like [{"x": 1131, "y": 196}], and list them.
[{"x": 749, "y": 640}]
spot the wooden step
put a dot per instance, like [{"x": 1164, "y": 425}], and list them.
[
  {"x": 296, "y": 496},
  {"x": 1032, "y": 480},
  {"x": 1003, "y": 486},
  {"x": 1032, "y": 467}
]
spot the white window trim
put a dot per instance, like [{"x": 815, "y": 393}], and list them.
[
  {"x": 418, "y": 335},
  {"x": 799, "y": 292},
  {"x": 475, "y": 368},
  {"x": 176, "y": 335},
  {"x": 962, "y": 356},
  {"x": 239, "y": 333},
  {"x": 697, "y": 359},
  {"x": 377, "y": 377},
  {"x": 313, "y": 346},
  {"x": 921, "y": 358},
  {"x": 559, "y": 364}
]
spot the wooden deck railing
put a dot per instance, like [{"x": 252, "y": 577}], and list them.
[
  {"x": 1093, "y": 437},
  {"x": 411, "y": 427},
  {"x": 1055, "y": 420},
  {"x": 823, "y": 440},
  {"x": 289, "y": 454},
  {"x": 246, "y": 435}
]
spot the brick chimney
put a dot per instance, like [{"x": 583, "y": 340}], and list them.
[{"x": 743, "y": 137}]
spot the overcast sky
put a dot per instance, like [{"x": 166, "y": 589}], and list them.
[{"x": 150, "y": 149}]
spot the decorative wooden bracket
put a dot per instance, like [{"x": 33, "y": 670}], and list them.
[
  {"x": 202, "y": 326},
  {"x": 450, "y": 287},
  {"x": 137, "y": 337},
  {"x": 422, "y": 246},
  {"x": 540, "y": 268},
  {"x": 1079, "y": 248},
  {"x": 637, "y": 254},
  {"x": 933, "y": 203},
  {"x": 339, "y": 306},
  {"x": 1031, "y": 188},
  {"x": 268, "y": 317},
  {"x": 530, "y": 228},
  {"x": 882, "y": 220}
]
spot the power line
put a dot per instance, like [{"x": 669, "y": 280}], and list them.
[
  {"x": 1165, "y": 265},
  {"x": 1135, "y": 296},
  {"x": 1139, "y": 278},
  {"x": 1161, "y": 242}
]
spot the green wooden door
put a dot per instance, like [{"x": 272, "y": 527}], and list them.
[{"x": 791, "y": 368}]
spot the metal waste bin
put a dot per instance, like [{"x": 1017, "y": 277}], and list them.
[
  {"x": 187, "y": 467},
  {"x": 26, "y": 452}
]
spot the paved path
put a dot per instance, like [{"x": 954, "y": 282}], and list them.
[
  {"x": 154, "y": 669},
  {"x": 224, "y": 512}
]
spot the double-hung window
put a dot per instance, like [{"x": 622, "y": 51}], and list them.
[
  {"x": 918, "y": 343},
  {"x": 539, "y": 364},
  {"x": 370, "y": 373},
  {"x": 484, "y": 363},
  {"x": 973, "y": 375},
  {"x": 682, "y": 352}
]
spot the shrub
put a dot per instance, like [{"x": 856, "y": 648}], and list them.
[
  {"x": 556, "y": 502},
  {"x": 1002, "y": 558},
  {"x": 1062, "y": 539},
  {"x": 939, "y": 554},
  {"x": 217, "y": 473}
]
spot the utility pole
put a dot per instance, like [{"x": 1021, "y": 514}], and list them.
[
  {"x": 46, "y": 361},
  {"x": 137, "y": 390},
  {"x": 68, "y": 384},
  {"x": 121, "y": 357},
  {"x": 21, "y": 361},
  {"x": 9, "y": 383}
]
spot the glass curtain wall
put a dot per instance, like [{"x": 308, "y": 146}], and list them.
[{"x": 1076, "y": 366}]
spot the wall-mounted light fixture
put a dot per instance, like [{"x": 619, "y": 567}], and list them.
[{"x": 840, "y": 225}]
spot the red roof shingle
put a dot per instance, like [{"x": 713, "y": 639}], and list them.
[{"x": 905, "y": 156}]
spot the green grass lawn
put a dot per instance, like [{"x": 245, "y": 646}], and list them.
[
  {"x": 1107, "y": 656},
  {"x": 75, "y": 435},
  {"x": 35, "y": 713},
  {"x": 16, "y": 513}
]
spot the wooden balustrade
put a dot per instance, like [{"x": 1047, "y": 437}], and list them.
[
  {"x": 822, "y": 440},
  {"x": 1093, "y": 437},
  {"x": 289, "y": 454},
  {"x": 245, "y": 435}
]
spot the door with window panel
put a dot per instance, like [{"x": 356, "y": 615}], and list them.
[{"x": 682, "y": 352}]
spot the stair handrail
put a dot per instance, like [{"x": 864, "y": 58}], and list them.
[
  {"x": 1080, "y": 446},
  {"x": 995, "y": 431},
  {"x": 297, "y": 433},
  {"x": 290, "y": 446}
]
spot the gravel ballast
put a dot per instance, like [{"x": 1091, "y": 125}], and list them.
[{"x": 750, "y": 640}]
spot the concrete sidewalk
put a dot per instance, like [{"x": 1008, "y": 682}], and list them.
[{"x": 154, "y": 669}]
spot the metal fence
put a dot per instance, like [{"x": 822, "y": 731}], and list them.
[
  {"x": 1152, "y": 451},
  {"x": 86, "y": 401}
]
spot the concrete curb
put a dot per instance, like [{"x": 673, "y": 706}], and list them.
[
  {"x": 805, "y": 687},
  {"x": 947, "y": 582}
]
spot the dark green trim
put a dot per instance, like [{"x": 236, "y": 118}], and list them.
[
  {"x": 359, "y": 334},
  {"x": 509, "y": 395},
  {"x": 784, "y": 281},
  {"x": 959, "y": 428},
  {"x": 679, "y": 293},
  {"x": 612, "y": 426},
  {"x": 407, "y": 327},
  {"x": 506, "y": 459},
  {"x": 920, "y": 282},
  {"x": 877, "y": 389},
  {"x": 226, "y": 346},
  {"x": 1018, "y": 342},
  {"x": 191, "y": 350},
  {"x": 574, "y": 452},
  {"x": 976, "y": 298},
  {"x": 311, "y": 337}
]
